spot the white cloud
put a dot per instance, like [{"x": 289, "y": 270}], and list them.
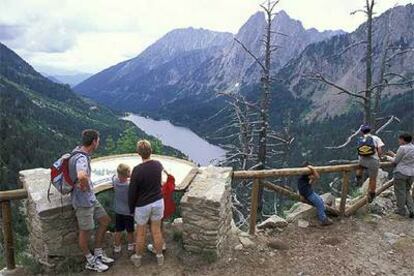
[{"x": 91, "y": 35}]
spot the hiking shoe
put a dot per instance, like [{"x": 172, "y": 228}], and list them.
[
  {"x": 96, "y": 265},
  {"x": 105, "y": 259},
  {"x": 160, "y": 259},
  {"x": 136, "y": 260},
  {"x": 151, "y": 248},
  {"x": 326, "y": 222},
  {"x": 371, "y": 196}
]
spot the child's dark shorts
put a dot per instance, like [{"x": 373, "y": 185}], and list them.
[{"x": 124, "y": 222}]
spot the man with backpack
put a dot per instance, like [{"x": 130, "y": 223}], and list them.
[
  {"x": 369, "y": 151},
  {"x": 87, "y": 207}
]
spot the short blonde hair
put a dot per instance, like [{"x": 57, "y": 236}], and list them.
[
  {"x": 123, "y": 170},
  {"x": 144, "y": 148}
]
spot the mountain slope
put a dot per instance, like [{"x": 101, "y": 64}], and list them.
[
  {"x": 348, "y": 68},
  {"x": 161, "y": 64},
  {"x": 40, "y": 119}
]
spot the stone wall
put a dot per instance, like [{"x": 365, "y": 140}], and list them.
[
  {"x": 52, "y": 225},
  {"x": 206, "y": 211}
]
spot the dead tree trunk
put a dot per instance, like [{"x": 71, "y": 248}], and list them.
[
  {"x": 368, "y": 85},
  {"x": 265, "y": 98}
]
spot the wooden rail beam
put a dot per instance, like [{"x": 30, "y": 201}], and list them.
[
  {"x": 344, "y": 193},
  {"x": 298, "y": 171},
  {"x": 295, "y": 196},
  {"x": 364, "y": 200},
  {"x": 8, "y": 234},
  {"x": 254, "y": 206},
  {"x": 13, "y": 194}
]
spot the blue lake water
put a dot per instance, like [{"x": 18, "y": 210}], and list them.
[{"x": 183, "y": 139}]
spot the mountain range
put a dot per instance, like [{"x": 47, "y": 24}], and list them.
[
  {"x": 188, "y": 62},
  {"x": 72, "y": 79},
  {"x": 178, "y": 77}
]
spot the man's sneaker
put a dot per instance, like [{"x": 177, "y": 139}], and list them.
[
  {"x": 326, "y": 222},
  {"x": 160, "y": 259},
  {"x": 136, "y": 260},
  {"x": 105, "y": 259},
  {"x": 96, "y": 265},
  {"x": 371, "y": 196},
  {"x": 151, "y": 248}
]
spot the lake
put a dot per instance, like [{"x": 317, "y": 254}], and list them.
[{"x": 183, "y": 139}]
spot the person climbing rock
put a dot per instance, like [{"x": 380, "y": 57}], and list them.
[
  {"x": 86, "y": 205},
  {"x": 305, "y": 183},
  {"x": 146, "y": 201},
  {"x": 370, "y": 148},
  {"x": 403, "y": 174}
]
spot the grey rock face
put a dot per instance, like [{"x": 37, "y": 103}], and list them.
[{"x": 347, "y": 68}]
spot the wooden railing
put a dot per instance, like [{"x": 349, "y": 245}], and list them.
[
  {"x": 259, "y": 180},
  {"x": 5, "y": 200}
]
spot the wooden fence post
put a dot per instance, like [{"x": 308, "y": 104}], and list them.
[
  {"x": 8, "y": 234},
  {"x": 344, "y": 194},
  {"x": 254, "y": 205}
]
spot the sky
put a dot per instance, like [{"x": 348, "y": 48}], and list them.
[{"x": 68, "y": 36}]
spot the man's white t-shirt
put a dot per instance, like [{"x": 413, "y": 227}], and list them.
[{"x": 378, "y": 144}]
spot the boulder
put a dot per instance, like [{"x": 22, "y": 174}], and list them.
[
  {"x": 391, "y": 238},
  {"x": 246, "y": 242},
  {"x": 305, "y": 211},
  {"x": 238, "y": 247},
  {"x": 177, "y": 225},
  {"x": 273, "y": 222},
  {"x": 303, "y": 223},
  {"x": 381, "y": 179},
  {"x": 381, "y": 205}
]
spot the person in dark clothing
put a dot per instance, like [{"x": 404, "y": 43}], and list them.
[
  {"x": 146, "y": 201},
  {"x": 305, "y": 183}
]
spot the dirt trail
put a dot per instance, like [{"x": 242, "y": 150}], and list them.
[{"x": 369, "y": 245}]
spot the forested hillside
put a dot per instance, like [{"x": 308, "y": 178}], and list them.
[{"x": 40, "y": 120}]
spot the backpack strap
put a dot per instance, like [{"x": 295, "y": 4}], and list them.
[{"x": 81, "y": 153}]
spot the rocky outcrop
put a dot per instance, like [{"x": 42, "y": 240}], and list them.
[
  {"x": 206, "y": 211},
  {"x": 273, "y": 222},
  {"x": 305, "y": 211}
]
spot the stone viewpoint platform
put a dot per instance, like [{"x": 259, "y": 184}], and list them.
[{"x": 205, "y": 207}]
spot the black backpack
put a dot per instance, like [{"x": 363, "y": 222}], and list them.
[{"x": 366, "y": 146}]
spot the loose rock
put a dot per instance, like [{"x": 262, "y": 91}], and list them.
[
  {"x": 273, "y": 222},
  {"x": 278, "y": 244},
  {"x": 303, "y": 223},
  {"x": 246, "y": 242}
]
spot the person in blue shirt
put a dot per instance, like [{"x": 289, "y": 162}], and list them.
[{"x": 305, "y": 183}]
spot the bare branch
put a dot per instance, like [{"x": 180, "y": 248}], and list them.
[
  {"x": 250, "y": 53},
  {"x": 357, "y": 11},
  {"x": 348, "y": 140},
  {"x": 390, "y": 120},
  {"x": 343, "y": 90}
]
